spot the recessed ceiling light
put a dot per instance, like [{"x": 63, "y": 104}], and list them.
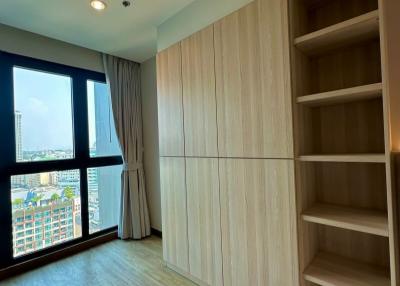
[{"x": 98, "y": 5}]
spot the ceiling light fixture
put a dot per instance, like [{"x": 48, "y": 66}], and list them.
[
  {"x": 98, "y": 5},
  {"x": 126, "y": 3}
]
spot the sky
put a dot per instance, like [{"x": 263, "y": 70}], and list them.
[{"x": 45, "y": 101}]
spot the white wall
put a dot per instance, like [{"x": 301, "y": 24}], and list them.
[
  {"x": 150, "y": 140},
  {"x": 36, "y": 46},
  {"x": 193, "y": 18}
]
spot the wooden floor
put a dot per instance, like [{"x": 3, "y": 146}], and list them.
[{"x": 134, "y": 263}]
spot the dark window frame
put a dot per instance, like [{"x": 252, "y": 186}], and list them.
[{"x": 81, "y": 160}]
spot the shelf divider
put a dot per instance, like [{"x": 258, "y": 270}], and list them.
[
  {"x": 367, "y": 221},
  {"x": 345, "y": 158},
  {"x": 363, "y": 92},
  {"x": 356, "y": 29},
  {"x": 328, "y": 269}
]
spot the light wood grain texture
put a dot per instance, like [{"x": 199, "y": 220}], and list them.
[
  {"x": 258, "y": 222},
  {"x": 368, "y": 221},
  {"x": 346, "y": 67},
  {"x": 252, "y": 80},
  {"x": 198, "y": 78},
  {"x": 174, "y": 212},
  {"x": 356, "y": 158},
  {"x": 342, "y": 95},
  {"x": 120, "y": 263},
  {"x": 361, "y": 185},
  {"x": 355, "y": 127},
  {"x": 349, "y": 185},
  {"x": 204, "y": 222},
  {"x": 327, "y": 270},
  {"x": 170, "y": 111},
  {"x": 187, "y": 275},
  {"x": 390, "y": 44},
  {"x": 359, "y": 246},
  {"x": 322, "y": 13},
  {"x": 357, "y": 29},
  {"x": 340, "y": 121}
]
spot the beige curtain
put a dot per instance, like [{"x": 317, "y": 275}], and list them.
[{"x": 123, "y": 77}]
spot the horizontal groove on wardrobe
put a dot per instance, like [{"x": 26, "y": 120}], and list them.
[{"x": 242, "y": 158}]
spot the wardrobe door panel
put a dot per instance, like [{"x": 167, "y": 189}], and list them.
[
  {"x": 204, "y": 225},
  {"x": 174, "y": 214},
  {"x": 252, "y": 82},
  {"x": 258, "y": 222},
  {"x": 170, "y": 111},
  {"x": 198, "y": 78}
]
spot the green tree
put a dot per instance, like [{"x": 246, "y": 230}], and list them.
[
  {"x": 18, "y": 202},
  {"x": 54, "y": 197},
  {"x": 69, "y": 193},
  {"x": 36, "y": 199}
]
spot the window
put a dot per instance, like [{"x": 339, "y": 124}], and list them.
[
  {"x": 59, "y": 148},
  {"x": 104, "y": 187},
  {"x": 102, "y": 136},
  {"x": 54, "y": 189},
  {"x": 43, "y": 115}
]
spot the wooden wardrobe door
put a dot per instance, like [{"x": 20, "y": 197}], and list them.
[
  {"x": 258, "y": 222},
  {"x": 170, "y": 112},
  {"x": 174, "y": 214},
  {"x": 198, "y": 78},
  {"x": 252, "y": 82},
  {"x": 204, "y": 225}
]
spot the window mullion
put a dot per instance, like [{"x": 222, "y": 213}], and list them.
[
  {"x": 81, "y": 139},
  {"x": 7, "y": 155}
]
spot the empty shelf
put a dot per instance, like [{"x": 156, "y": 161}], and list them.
[
  {"x": 329, "y": 269},
  {"x": 368, "y": 221},
  {"x": 356, "y": 29},
  {"x": 343, "y": 95},
  {"x": 345, "y": 158}
]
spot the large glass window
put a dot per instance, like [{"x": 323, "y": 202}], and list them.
[
  {"x": 37, "y": 194},
  {"x": 60, "y": 161},
  {"x": 104, "y": 188},
  {"x": 102, "y": 135},
  {"x": 43, "y": 116}
]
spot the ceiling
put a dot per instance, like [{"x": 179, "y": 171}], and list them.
[{"x": 125, "y": 32}]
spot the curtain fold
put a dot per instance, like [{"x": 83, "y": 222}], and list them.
[{"x": 123, "y": 77}]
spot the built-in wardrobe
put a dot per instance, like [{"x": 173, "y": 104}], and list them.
[{"x": 277, "y": 126}]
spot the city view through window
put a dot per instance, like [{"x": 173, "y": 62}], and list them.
[{"x": 47, "y": 206}]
